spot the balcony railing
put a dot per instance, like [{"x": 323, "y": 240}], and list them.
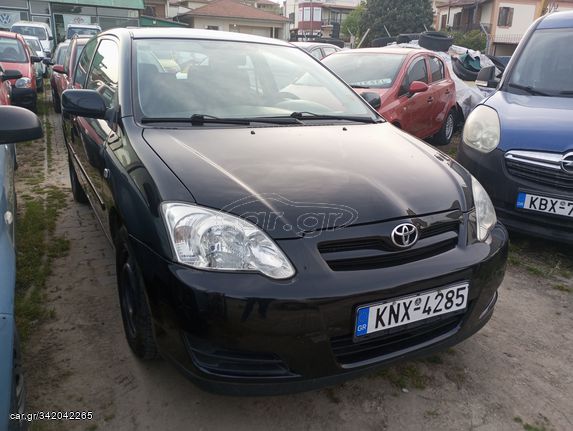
[{"x": 512, "y": 39}]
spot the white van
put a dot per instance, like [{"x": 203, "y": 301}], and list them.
[{"x": 39, "y": 29}]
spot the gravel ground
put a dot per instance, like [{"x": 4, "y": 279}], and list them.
[{"x": 515, "y": 374}]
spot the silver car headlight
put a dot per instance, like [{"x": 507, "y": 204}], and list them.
[
  {"x": 484, "y": 211},
  {"x": 23, "y": 83},
  {"x": 207, "y": 239},
  {"x": 482, "y": 129}
]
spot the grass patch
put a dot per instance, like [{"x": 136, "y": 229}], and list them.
[
  {"x": 405, "y": 376},
  {"x": 534, "y": 270},
  {"x": 562, "y": 288}
]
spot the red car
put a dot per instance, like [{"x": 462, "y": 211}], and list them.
[
  {"x": 410, "y": 87},
  {"x": 5, "y": 87},
  {"x": 63, "y": 73},
  {"x": 15, "y": 55}
]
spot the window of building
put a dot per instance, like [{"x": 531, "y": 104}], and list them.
[
  {"x": 20, "y": 4},
  {"x": 444, "y": 22},
  {"x": 436, "y": 69},
  {"x": 457, "y": 19},
  {"x": 306, "y": 14},
  {"x": 40, "y": 7},
  {"x": 317, "y": 14},
  {"x": 44, "y": 19},
  {"x": 505, "y": 17},
  {"x": 212, "y": 27}
]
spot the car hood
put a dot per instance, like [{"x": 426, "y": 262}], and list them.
[
  {"x": 534, "y": 122},
  {"x": 24, "y": 68},
  {"x": 291, "y": 180}
]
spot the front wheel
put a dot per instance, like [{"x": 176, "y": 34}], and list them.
[
  {"x": 77, "y": 189},
  {"x": 135, "y": 313},
  {"x": 444, "y": 136}
]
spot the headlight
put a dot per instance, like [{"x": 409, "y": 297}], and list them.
[
  {"x": 23, "y": 83},
  {"x": 482, "y": 129},
  {"x": 209, "y": 239},
  {"x": 485, "y": 213}
]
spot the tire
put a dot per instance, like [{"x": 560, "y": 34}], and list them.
[
  {"x": 461, "y": 72},
  {"x": 135, "y": 312},
  {"x": 444, "y": 136},
  {"x": 77, "y": 189},
  {"x": 435, "y": 40},
  {"x": 18, "y": 390},
  {"x": 382, "y": 41},
  {"x": 407, "y": 37},
  {"x": 56, "y": 102}
]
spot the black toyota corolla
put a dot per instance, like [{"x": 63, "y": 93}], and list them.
[{"x": 272, "y": 233}]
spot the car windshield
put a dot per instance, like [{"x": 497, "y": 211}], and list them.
[
  {"x": 34, "y": 44},
  {"x": 182, "y": 77},
  {"x": 82, "y": 32},
  {"x": 544, "y": 66},
  {"x": 12, "y": 50},
  {"x": 367, "y": 69},
  {"x": 39, "y": 32}
]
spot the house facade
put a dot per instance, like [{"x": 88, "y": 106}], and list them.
[
  {"x": 505, "y": 21},
  {"x": 317, "y": 18},
  {"x": 233, "y": 15}
]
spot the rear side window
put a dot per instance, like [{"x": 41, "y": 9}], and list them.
[
  {"x": 317, "y": 53},
  {"x": 416, "y": 72},
  {"x": 436, "y": 69},
  {"x": 84, "y": 63},
  {"x": 327, "y": 51},
  {"x": 105, "y": 72}
]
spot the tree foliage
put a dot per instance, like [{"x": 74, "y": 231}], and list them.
[
  {"x": 399, "y": 16},
  {"x": 352, "y": 25},
  {"x": 474, "y": 39}
]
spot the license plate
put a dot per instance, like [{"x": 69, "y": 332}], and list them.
[
  {"x": 545, "y": 204},
  {"x": 408, "y": 309}
]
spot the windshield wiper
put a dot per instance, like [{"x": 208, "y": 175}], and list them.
[
  {"x": 200, "y": 119},
  {"x": 359, "y": 86},
  {"x": 305, "y": 115},
  {"x": 528, "y": 89},
  {"x": 566, "y": 92}
]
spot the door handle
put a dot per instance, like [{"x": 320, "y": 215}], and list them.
[
  {"x": 447, "y": 91},
  {"x": 430, "y": 99}
]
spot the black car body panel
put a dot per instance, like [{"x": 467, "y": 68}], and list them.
[{"x": 244, "y": 332}]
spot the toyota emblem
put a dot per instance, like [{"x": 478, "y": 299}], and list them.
[
  {"x": 567, "y": 163},
  {"x": 404, "y": 235}
]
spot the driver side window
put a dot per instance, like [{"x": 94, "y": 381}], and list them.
[
  {"x": 416, "y": 72},
  {"x": 84, "y": 63}
]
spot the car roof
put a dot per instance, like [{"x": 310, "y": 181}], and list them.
[
  {"x": 31, "y": 24},
  {"x": 192, "y": 33},
  {"x": 401, "y": 50},
  {"x": 314, "y": 44},
  {"x": 84, "y": 26},
  {"x": 11, "y": 35},
  {"x": 562, "y": 19}
]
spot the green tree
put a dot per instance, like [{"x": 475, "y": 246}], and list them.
[
  {"x": 399, "y": 16},
  {"x": 352, "y": 25}
]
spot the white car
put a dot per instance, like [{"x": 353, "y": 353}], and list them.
[
  {"x": 36, "y": 48},
  {"x": 82, "y": 29},
  {"x": 39, "y": 29}
]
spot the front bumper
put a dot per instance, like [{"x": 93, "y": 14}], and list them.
[
  {"x": 244, "y": 333},
  {"x": 503, "y": 188},
  {"x": 25, "y": 97}
]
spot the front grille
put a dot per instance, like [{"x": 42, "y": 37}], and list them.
[
  {"x": 235, "y": 363},
  {"x": 539, "y": 168},
  {"x": 378, "y": 252},
  {"x": 348, "y": 352}
]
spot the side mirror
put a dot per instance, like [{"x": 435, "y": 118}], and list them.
[
  {"x": 83, "y": 103},
  {"x": 47, "y": 61},
  {"x": 58, "y": 68},
  {"x": 50, "y": 37},
  {"x": 417, "y": 87},
  {"x": 18, "y": 124},
  {"x": 48, "y": 54},
  {"x": 486, "y": 77},
  {"x": 372, "y": 98},
  {"x": 11, "y": 74},
  {"x": 35, "y": 59}
]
